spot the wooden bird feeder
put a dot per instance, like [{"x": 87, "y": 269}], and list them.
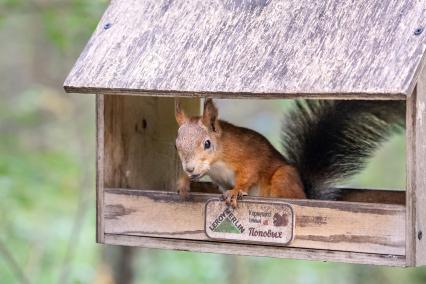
[{"x": 143, "y": 54}]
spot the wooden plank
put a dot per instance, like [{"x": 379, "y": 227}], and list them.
[
  {"x": 100, "y": 168},
  {"x": 343, "y": 226},
  {"x": 134, "y": 135},
  {"x": 411, "y": 189},
  {"x": 420, "y": 171},
  {"x": 325, "y": 96},
  {"x": 254, "y": 48},
  {"x": 348, "y": 194},
  {"x": 140, "y": 134},
  {"x": 373, "y": 196},
  {"x": 416, "y": 178},
  {"x": 255, "y": 250}
]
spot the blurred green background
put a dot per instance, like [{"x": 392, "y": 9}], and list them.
[{"x": 47, "y": 159}]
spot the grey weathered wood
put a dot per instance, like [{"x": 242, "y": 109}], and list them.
[
  {"x": 411, "y": 181},
  {"x": 100, "y": 168},
  {"x": 420, "y": 164},
  {"x": 338, "y": 226},
  {"x": 416, "y": 174},
  {"x": 262, "y": 48},
  {"x": 256, "y": 250}
]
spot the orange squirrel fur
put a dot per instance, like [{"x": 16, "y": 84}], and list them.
[{"x": 242, "y": 161}]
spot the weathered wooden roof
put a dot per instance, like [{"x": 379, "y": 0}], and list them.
[{"x": 255, "y": 48}]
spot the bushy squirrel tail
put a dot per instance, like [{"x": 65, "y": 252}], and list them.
[{"x": 329, "y": 141}]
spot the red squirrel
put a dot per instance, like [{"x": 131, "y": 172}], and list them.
[{"x": 324, "y": 142}]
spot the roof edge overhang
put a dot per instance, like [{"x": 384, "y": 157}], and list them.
[{"x": 384, "y": 95}]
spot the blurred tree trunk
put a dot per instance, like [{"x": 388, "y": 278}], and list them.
[
  {"x": 237, "y": 270},
  {"x": 369, "y": 275},
  {"x": 120, "y": 263}
]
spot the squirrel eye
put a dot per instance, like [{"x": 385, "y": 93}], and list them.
[{"x": 207, "y": 144}]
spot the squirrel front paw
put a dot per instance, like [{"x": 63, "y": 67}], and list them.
[
  {"x": 183, "y": 187},
  {"x": 231, "y": 196}
]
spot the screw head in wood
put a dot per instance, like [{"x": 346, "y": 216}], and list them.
[
  {"x": 418, "y": 31},
  {"x": 107, "y": 26},
  {"x": 420, "y": 235}
]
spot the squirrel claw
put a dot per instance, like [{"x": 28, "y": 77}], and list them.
[
  {"x": 183, "y": 188},
  {"x": 231, "y": 196},
  {"x": 183, "y": 193}
]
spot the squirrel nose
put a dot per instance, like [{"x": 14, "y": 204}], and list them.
[{"x": 189, "y": 169}]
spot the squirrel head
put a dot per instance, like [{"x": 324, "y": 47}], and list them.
[{"x": 197, "y": 140}]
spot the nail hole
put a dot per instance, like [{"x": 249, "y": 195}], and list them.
[
  {"x": 418, "y": 31},
  {"x": 144, "y": 123},
  {"x": 420, "y": 235},
  {"x": 107, "y": 26}
]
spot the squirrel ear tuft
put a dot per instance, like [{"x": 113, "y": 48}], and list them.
[
  {"x": 210, "y": 115},
  {"x": 179, "y": 114}
]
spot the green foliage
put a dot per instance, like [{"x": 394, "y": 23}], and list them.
[
  {"x": 11, "y": 3},
  {"x": 64, "y": 22},
  {"x": 180, "y": 267},
  {"x": 39, "y": 179},
  {"x": 65, "y": 27},
  {"x": 387, "y": 169}
]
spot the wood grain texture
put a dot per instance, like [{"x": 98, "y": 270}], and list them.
[
  {"x": 139, "y": 142},
  {"x": 257, "y": 250},
  {"x": 416, "y": 174},
  {"x": 135, "y": 145},
  {"x": 254, "y": 48},
  {"x": 420, "y": 172},
  {"x": 373, "y": 196},
  {"x": 411, "y": 180},
  {"x": 100, "y": 168},
  {"x": 348, "y": 194},
  {"x": 342, "y": 226}
]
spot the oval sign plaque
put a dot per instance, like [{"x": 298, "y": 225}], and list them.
[{"x": 251, "y": 222}]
